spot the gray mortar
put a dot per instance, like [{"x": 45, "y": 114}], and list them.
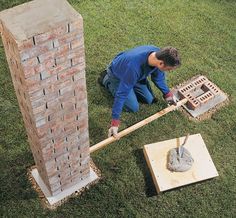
[{"x": 178, "y": 163}]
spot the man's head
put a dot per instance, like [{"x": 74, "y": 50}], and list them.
[{"x": 168, "y": 59}]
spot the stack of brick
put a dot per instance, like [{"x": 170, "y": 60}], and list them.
[
  {"x": 44, "y": 45},
  {"x": 209, "y": 90}
]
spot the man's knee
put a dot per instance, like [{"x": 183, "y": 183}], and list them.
[
  {"x": 149, "y": 99},
  {"x": 135, "y": 108},
  {"x": 132, "y": 108},
  {"x": 145, "y": 96}
]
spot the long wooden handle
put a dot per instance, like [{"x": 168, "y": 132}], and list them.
[
  {"x": 136, "y": 126},
  {"x": 186, "y": 139},
  {"x": 180, "y": 147}
]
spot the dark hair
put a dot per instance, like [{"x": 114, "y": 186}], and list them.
[{"x": 169, "y": 55}]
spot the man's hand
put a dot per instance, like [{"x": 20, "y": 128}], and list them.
[
  {"x": 170, "y": 98},
  {"x": 113, "y": 130}
]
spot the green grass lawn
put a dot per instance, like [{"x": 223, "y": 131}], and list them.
[{"x": 204, "y": 31}]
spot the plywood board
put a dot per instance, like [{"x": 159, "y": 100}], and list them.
[{"x": 156, "y": 156}]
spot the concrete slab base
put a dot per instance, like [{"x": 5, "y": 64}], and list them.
[{"x": 66, "y": 193}]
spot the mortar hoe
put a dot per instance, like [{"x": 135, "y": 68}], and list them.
[{"x": 137, "y": 126}]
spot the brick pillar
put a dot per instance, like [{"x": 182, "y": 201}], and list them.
[{"x": 44, "y": 45}]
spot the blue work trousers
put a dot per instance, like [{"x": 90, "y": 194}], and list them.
[{"x": 141, "y": 91}]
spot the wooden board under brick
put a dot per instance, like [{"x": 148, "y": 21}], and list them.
[{"x": 156, "y": 156}]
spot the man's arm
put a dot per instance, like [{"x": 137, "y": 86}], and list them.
[
  {"x": 123, "y": 90},
  {"x": 120, "y": 97},
  {"x": 159, "y": 79}
]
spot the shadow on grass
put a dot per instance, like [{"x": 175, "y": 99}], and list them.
[{"x": 150, "y": 189}]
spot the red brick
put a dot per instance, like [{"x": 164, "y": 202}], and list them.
[
  {"x": 30, "y": 62},
  {"x": 36, "y": 95},
  {"x": 192, "y": 102},
  {"x": 63, "y": 50},
  {"x": 68, "y": 72},
  {"x": 79, "y": 60},
  {"x": 60, "y": 68},
  {"x": 54, "y": 116},
  {"x": 56, "y": 187},
  {"x": 32, "y": 81},
  {"x": 79, "y": 75},
  {"x": 68, "y": 107},
  {"x": 205, "y": 97},
  {"x": 199, "y": 81},
  {"x": 55, "y": 43},
  {"x": 47, "y": 65},
  {"x": 38, "y": 102},
  {"x": 81, "y": 85},
  {"x": 183, "y": 91},
  {"x": 43, "y": 131},
  {"x": 64, "y": 84},
  {"x": 39, "y": 109},
  {"x": 26, "y": 44},
  {"x": 56, "y": 32},
  {"x": 44, "y": 75},
  {"x": 69, "y": 129},
  {"x": 60, "y": 150},
  {"x": 53, "y": 104},
  {"x": 50, "y": 96},
  {"x": 209, "y": 86},
  {"x": 62, "y": 59},
  {"x": 73, "y": 136},
  {"x": 45, "y": 56},
  {"x": 39, "y": 68},
  {"x": 54, "y": 179},
  {"x": 40, "y": 122},
  {"x": 69, "y": 37},
  {"x": 76, "y": 25},
  {"x": 77, "y": 42},
  {"x": 69, "y": 117},
  {"x": 35, "y": 51},
  {"x": 76, "y": 53}
]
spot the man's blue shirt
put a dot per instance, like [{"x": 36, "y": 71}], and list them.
[{"x": 130, "y": 67}]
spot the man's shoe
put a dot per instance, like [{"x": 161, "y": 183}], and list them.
[{"x": 101, "y": 77}]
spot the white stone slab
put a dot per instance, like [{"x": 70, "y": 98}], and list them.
[
  {"x": 56, "y": 198},
  {"x": 156, "y": 156}
]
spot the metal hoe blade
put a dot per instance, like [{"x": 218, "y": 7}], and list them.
[{"x": 180, "y": 148}]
